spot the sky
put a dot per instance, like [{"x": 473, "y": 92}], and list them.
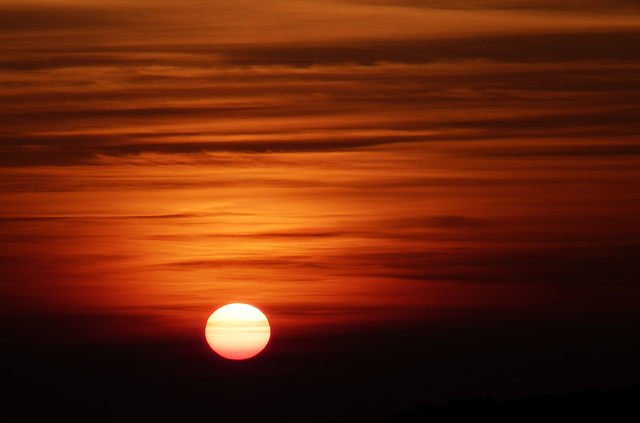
[{"x": 404, "y": 173}]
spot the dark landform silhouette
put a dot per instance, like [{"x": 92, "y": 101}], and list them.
[
  {"x": 613, "y": 405},
  {"x": 500, "y": 370},
  {"x": 78, "y": 387}
]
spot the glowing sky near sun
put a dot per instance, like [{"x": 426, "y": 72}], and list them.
[{"x": 329, "y": 161}]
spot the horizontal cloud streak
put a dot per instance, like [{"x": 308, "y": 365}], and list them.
[{"x": 324, "y": 158}]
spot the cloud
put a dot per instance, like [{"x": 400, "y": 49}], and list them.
[
  {"x": 529, "y": 48},
  {"x": 539, "y": 5},
  {"x": 605, "y": 44},
  {"x": 32, "y": 18}
]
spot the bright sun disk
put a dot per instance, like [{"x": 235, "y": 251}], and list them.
[{"x": 237, "y": 331}]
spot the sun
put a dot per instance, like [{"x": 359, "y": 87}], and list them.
[{"x": 237, "y": 331}]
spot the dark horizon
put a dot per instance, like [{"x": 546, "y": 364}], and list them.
[{"x": 489, "y": 365}]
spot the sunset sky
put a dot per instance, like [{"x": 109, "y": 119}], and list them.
[{"x": 370, "y": 167}]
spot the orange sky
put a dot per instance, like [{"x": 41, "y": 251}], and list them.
[{"x": 335, "y": 163}]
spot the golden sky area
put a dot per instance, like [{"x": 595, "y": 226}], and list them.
[{"x": 338, "y": 164}]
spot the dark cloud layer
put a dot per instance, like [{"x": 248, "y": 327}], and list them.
[
  {"x": 539, "y": 5},
  {"x": 24, "y": 19},
  {"x": 527, "y": 48}
]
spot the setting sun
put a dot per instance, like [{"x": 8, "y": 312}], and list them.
[{"x": 237, "y": 331}]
